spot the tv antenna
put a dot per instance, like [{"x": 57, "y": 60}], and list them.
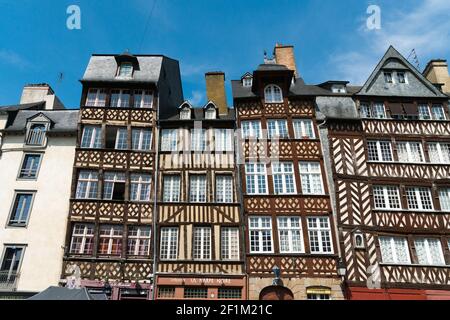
[{"x": 415, "y": 59}]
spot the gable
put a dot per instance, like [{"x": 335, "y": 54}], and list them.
[
  {"x": 40, "y": 118},
  {"x": 393, "y": 62}
]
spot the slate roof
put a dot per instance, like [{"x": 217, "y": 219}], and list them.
[
  {"x": 26, "y": 106},
  {"x": 62, "y": 120},
  {"x": 60, "y": 293}
]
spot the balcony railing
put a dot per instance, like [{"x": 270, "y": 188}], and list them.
[{"x": 8, "y": 281}]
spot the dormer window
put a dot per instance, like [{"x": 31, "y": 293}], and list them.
[
  {"x": 401, "y": 77},
  {"x": 185, "y": 114},
  {"x": 388, "y": 77},
  {"x": 36, "y": 135},
  {"x": 247, "y": 82},
  {"x": 338, "y": 88},
  {"x": 273, "y": 94},
  {"x": 210, "y": 114},
  {"x": 125, "y": 70}
]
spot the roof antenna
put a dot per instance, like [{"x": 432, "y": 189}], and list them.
[{"x": 415, "y": 59}]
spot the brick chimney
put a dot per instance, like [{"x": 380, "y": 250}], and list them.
[
  {"x": 215, "y": 90},
  {"x": 41, "y": 92},
  {"x": 285, "y": 55},
  {"x": 437, "y": 72}
]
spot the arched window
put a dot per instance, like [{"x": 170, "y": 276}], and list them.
[{"x": 273, "y": 94}]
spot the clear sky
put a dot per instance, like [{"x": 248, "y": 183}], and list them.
[{"x": 331, "y": 39}]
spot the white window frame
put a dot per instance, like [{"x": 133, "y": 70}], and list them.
[
  {"x": 98, "y": 101},
  {"x": 386, "y": 197},
  {"x": 300, "y": 129},
  {"x": 140, "y": 180},
  {"x": 251, "y": 129},
  {"x": 388, "y": 75},
  {"x": 409, "y": 153},
  {"x": 169, "y": 140},
  {"x": 198, "y": 140},
  {"x": 271, "y": 95},
  {"x": 142, "y": 104},
  {"x": 175, "y": 185},
  {"x": 120, "y": 103},
  {"x": 444, "y": 199},
  {"x": 405, "y": 78},
  {"x": 257, "y": 175},
  {"x": 185, "y": 114},
  {"x": 111, "y": 238},
  {"x": 428, "y": 252},
  {"x": 139, "y": 239},
  {"x": 440, "y": 153},
  {"x": 224, "y": 188},
  {"x": 117, "y": 177},
  {"x": 306, "y": 178},
  {"x": 198, "y": 186},
  {"x": 210, "y": 113},
  {"x": 375, "y": 114},
  {"x": 129, "y": 68},
  {"x": 84, "y": 236},
  {"x": 393, "y": 249},
  {"x": 289, "y": 229},
  {"x": 433, "y": 114},
  {"x": 379, "y": 150},
  {"x": 95, "y": 140},
  {"x": 169, "y": 239},
  {"x": 223, "y": 139},
  {"x": 119, "y": 132},
  {"x": 276, "y": 131},
  {"x": 229, "y": 243},
  {"x": 260, "y": 229},
  {"x": 284, "y": 171},
  {"x": 140, "y": 143},
  {"x": 201, "y": 246},
  {"x": 415, "y": 192},
  {"x": 320, "y": 232},
  {"x": 247, "y": 82},
  {"x": 91, "y": 179}
]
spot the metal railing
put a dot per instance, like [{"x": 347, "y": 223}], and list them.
[{"x": 8, "y": 280}]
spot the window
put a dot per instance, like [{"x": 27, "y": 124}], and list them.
[
  {"x": 171, "y": 192},
  {"x": 320, "y": 235},
  {"x": 143, "y": 99},
  {"x": 401, "y": 77},
  {"x": 424, "y": 112},
  {"x": 87, "y": 186},
  {"x": 277, "y": 129},
  {"x": 92, "y": 137},
  {"x": 429, "y": 251},
  {"x": 365, "y": 111},
  {"x": 166, "y": 292},
  {"x": 114, "y": 186},
  {"x": 202, "y": 243},
  {"x": 378, "y": 111},
  {"x": 247, "y": 82},
  {"x": 120, "y": 98},
  {"x": 169, "y": 244},
  {"x": 230, "y": 243},
  {"x": 394, "y": 250},
  {"x": 251, "y": 129},
  {"x": 380, "y": 151},
  {"x": 198, "y": 139},
  {"x": 256, "y": 178},
  {"x": 230, "y": 293},
  {"x": 419, "y": 198},
  {"x": 82, "y": 239},
  {"x": 311, "y": 178},
  {"x": 125, "y": 70},
  {"x": 185, "y": 114},
  {"x": 138, "y": 241},
  {"x": 437, "y": 112},
  {"x": 283, "y": 178},
  {"x": 439, "y": 152},
  {"x": 260, "y": 235},
  {"x": 169, "y": 140},
  {"x": 140, "y": 187},
  {"x": 195, "y": 293},
  {"x": 338, "y": 88},
  {"x": 36, "y": 135},
  {"x": 444, "y": 199},
  {"x": 141, "y": 139},
  {"x": 290, "y": 235},
  {"x": 116, "y": 138},
  {"x": 388, "y": 77},
  {"x": 386, "y": 197},
  {"x": 110, "y": 242},
  {"x": 304, "y": 129},
  {"x": 223, "y": 140},
  {"x": 224, "y": 188},
  {"x": 96, "y": 98},
  {"x": 9, "y": 271},
  {"x": 319, "y": 293},
  {"x": 21, "y": 209},
  {"x": 30, "y": 166},
  {"x": 273, "y": 94},
  {"x": 210, "y": 114},
  {"x": 410, "y": 152},
  {"x": 197, "y": 188}
]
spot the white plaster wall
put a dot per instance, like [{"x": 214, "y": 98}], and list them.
[{"x": 46, "y": 229}]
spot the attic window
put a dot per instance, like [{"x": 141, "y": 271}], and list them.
[
  {"x": 273, "y": 94},
  {"x": 36, "y": 135},
  {"x": 388, "y": 77},
  {"x": 125, "y": 70},
  {"x": 210, "y": 114},
  {"x": 401, "y": 77},
  {"x": 185, "y": 113},
  {"x": 338, "y": 88},
  {"x": 247, "y": 82}
]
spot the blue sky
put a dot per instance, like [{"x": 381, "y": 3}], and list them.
[{"x": 330, "y": 37}]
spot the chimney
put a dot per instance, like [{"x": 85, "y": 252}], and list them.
[
  {"x": 436, "y": 72},
  {"x": 285, "y": 55},
  {"x": 215, "y": 90},
  {"x": 41, "y": 92}
]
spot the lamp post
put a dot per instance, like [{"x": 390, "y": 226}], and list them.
[{"x": 277, "y": 272}]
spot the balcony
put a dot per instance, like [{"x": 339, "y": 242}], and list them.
[
  {"x": 8, "y": 281},
  {"x": 114, "y": 159},
  {"x": 122, "y": 115}
]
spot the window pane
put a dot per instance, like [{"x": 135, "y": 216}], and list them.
[{"x": 30, "y": 166}]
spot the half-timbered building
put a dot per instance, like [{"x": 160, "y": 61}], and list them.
[
  {"x": 290, "y": 239},
  {"x": 110, "y": 231},
  {"x": 198, "y": 221},
  {"x": 390, "y": 154}
]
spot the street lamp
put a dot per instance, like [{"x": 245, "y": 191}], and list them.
[
  {"x": 341, "y": 268},
  {"x": 277, "y": 272}
]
